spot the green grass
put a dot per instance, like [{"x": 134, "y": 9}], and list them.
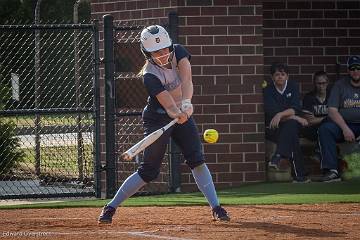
[
  {"x": 49, "y": 120},
  {"x": 62, "y": 159},
  {"x": 260, "y": 193}
]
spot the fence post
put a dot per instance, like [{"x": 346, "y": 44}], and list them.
[
  {"x": 37, "y": 92},
  {"x": 109, "y": 104},
  {"x": 97, "y": 152},
  {"x": 80, "y": 141},
  {"x": 175, "y": 157}
]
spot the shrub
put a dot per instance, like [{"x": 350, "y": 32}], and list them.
[
  {"x": 352, "y": 166},
  {"x": 10, "y": 153}
]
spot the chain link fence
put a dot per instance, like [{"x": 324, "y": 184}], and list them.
[
  {"x": 50, "y": 111},
  {"x": 47, "y": 110}
]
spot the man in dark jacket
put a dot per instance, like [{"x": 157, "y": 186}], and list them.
[{"x": 281, "y": 104}]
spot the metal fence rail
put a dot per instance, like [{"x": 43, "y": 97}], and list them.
[{"x": 48, "y": 110}]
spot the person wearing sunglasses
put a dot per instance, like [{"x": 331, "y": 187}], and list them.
[
  {"x": 283, "y": 123},
  {"x": 344, "y": 119},
  {"x": 315, "y": 109}
]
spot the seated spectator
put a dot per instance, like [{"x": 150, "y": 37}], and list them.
[
  {"x": 315, "y": 108},
  {"x": 344, "y": 119},
  {"x": 281, "y": 106}
]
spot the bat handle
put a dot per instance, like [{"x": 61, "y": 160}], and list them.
[{"x": 171, "y": 123}]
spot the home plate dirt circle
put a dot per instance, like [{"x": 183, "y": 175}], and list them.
[{"x": 318, "y": 221}]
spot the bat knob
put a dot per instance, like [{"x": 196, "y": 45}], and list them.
[{"x": 126, "y": 156}]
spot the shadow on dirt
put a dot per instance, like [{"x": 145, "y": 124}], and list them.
[{"x": 275, "y": 228}]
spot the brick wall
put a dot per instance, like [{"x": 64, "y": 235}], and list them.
[
  {"x": 225, "y": 40},
  {"x": 311, "y": 36}
]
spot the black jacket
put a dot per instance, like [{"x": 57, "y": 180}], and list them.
[{"x": 274, "y": 102}]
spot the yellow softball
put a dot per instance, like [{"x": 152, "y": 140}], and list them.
[
  {"x": 264, "y": 84},
  {"x": 211, "y": 135}
]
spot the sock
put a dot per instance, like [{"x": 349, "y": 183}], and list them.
[
  {"x": 129, "y": 187},
  {"x": 205, "y": 183}
]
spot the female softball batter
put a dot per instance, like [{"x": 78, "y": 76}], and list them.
[{"x": 168, "y": 80}]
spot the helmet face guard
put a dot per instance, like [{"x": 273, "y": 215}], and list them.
[
  {"x": 158, "y": 62},
  {"x": 154, "y": 38}
]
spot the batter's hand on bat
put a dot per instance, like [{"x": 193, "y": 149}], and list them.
[
  {"x": 175, "y": 112},
  {"x": 187, "y": 107},
  {"x": 182, "y": 117}
]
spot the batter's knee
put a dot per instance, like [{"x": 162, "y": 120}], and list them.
[
  {"x": 195, "y": 160},
  {"x": 148, "y": 174}
]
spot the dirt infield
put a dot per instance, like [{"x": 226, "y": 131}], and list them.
[{"x": 319, "y": 221}]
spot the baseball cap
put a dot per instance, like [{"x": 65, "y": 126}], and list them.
[{"x": 353, "y": 60}]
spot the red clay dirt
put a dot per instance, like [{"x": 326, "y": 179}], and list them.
[{"x": 318, "y": 221}]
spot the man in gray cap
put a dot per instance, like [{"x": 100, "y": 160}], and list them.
[{"x": 344, "y": 119}]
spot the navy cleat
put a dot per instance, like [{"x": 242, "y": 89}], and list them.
[
  {"x": 220, "y": 214},
  {"x": 106, "y": 215}
]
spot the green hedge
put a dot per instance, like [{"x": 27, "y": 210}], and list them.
[
  {"x": 352, "y": 168},
  {"x": 10, "y": 153}
]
